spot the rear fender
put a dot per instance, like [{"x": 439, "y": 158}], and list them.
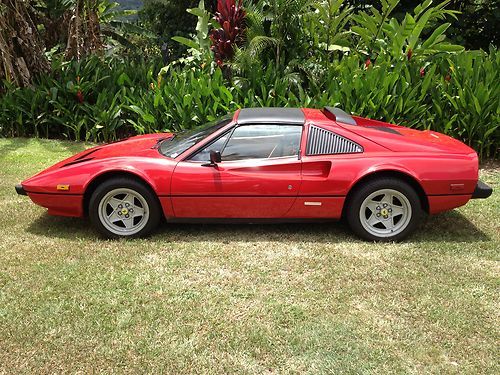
[
  {"x": 394, "y": 171},
  {"x": 385, "y": 168}
]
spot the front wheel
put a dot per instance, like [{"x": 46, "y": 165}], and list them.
[
  {"x": 384, "y": 210},
  {"x": 124, "y": 207}
]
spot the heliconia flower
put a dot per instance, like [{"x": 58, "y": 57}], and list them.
[
  {"x": 79, "y": 97},
  {"x": 409, "y": 54},
  {"x": 368, "y": 62},
  {"x": 422, "y": 72}
]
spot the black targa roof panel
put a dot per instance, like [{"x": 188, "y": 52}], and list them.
[
  {"x": 271, "y": 116},
  {"x": 341, "y": 116}
]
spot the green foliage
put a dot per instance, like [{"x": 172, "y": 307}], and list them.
[
  {"x": 468, "y": 105},
  {"x": 457, "y": 95},
  {"x": 305, "y": 37},
  {"x": 327, "y": 26},
  {"x": 380, "y": 34},
  {"x": 85, "y": 100},
  {"x": 297, "y": 54},
  {"x": 168, "y": 18},
  {"x": 199, "y": 45},
  {"x": 477, "y": 25},
  {"x": 275, "y": 33}
]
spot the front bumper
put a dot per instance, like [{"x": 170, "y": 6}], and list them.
[
  {"x": 482, "y": 191},
  {"x": 20, "y": 190}
]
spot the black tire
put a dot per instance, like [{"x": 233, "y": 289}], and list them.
[
  {"x": 409, "y": 222},
  {"x": 153, "y": 209}
]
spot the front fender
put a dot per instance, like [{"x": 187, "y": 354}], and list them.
[{"x": 76, "y": 178}]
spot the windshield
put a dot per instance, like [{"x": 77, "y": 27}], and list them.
[{"x": 175, "y": 146}]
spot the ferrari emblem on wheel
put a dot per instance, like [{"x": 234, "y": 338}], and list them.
[{"x": 266, "y": 163}]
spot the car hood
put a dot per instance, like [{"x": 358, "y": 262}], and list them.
[
  {"x": 402, "y": 139},
  {"x": 135, "y": 146},
  {"x": 141, "y": 145}
]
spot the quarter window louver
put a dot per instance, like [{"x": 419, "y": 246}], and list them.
[{"x": 322, "y": 142}]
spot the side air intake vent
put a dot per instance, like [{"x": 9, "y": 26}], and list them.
[{"x": 323, "y": 142}]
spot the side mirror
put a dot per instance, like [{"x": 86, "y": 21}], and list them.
[{"x": 215, "y": 158}]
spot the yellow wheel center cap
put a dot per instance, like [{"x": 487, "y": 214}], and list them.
[
  {"x": 384, "y": 212},
  {"x": 124, "y": 211}
]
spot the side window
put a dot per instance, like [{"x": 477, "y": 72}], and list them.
[
  {"x": 204, "y": 154},
  {"x": 263, "y": 142},
  {"x": 324, "y": 142}
]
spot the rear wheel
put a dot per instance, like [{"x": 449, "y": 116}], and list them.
[
  {"x": 385, "y": 209},
  {"x": 124, "y": 207}
]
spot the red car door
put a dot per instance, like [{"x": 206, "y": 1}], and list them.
[{"x": 259, "y": 176}]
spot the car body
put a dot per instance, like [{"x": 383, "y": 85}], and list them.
[{"x": 275, "y": 164}]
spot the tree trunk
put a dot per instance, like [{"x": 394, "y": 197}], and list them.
[
  {"x": 21, "y": 48},
  {"x": 84, "y": 36}
]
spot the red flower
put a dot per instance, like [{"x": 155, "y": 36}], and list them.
[
  {"x": 409, "y": 53},
  {"x": 422, "y": 72},
  {"x": 79, "y": 96},
  {"x": 447, "y": 78},
  {"x": 368, "y": 62}
]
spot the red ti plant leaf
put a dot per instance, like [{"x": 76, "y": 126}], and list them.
[{"x": 231, "y": 17}]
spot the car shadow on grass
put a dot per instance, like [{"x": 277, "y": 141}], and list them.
[{"x": 448, "y": 227}]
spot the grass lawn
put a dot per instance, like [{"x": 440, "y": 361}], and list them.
[{"x": 301, "y": 298}]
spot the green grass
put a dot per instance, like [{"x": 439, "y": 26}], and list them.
[{"x": 302, "y": 298}]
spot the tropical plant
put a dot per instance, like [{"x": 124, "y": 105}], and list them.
[
  {"x": 476, "y": 27},
  {"x": 378, "y": 33},
  {"x": 21, "y": 47},
  {"x": 103, "y": 100},
  {"x": 272, "y": 25},
  {"x": 230, "y": 16},
  {"x": 418, "y": 79},
  {"x": 54, "y": 18},
  {"x": 84, "y": 35},
  {"x": 286, "y": 24},
  {"x": 466, "y": 102},
  {"x": 331, "y": 18},
  {"x": 166, "y": 19},
  {"x": 199, "y": 45}
]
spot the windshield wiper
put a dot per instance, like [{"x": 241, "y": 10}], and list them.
[{"x": 161, "y": 140}]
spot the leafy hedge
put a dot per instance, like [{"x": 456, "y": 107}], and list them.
[{"x": 105, "y": 99}]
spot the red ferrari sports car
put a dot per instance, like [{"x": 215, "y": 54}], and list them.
[{"x": 278, "y": 164}]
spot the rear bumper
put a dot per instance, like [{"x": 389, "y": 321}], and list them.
[
  {"x": 20, "y": 190},
  {"x": 482, "y": 191}
]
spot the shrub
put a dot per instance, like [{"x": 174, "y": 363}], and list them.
[
  {"x": 88, "y": 100},
  {"x": 102, "y": 100}
]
